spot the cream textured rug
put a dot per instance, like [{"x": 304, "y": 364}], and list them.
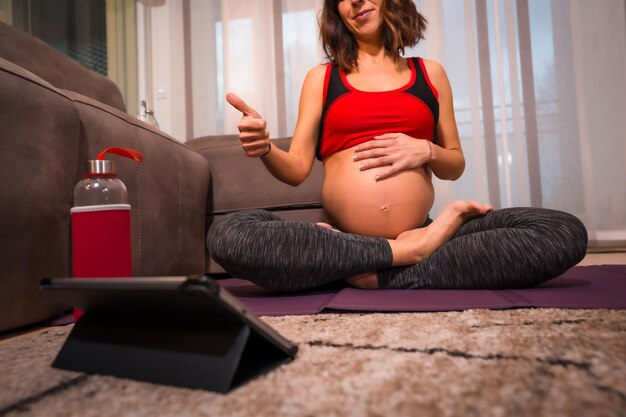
[{"x": 524, "y": 362}]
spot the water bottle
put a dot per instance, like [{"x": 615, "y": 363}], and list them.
[{"x": 101, "y": 238}]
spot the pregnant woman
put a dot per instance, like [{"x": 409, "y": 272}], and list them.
[{"x": 383, "y": 125}]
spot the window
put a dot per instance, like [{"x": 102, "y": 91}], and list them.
[{"x": 99, "y": 34}]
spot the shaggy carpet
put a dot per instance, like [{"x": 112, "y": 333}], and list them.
[{"x": 518, "y": 362}]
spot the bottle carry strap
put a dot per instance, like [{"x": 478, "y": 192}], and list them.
[{"x": 125, "y": 152}]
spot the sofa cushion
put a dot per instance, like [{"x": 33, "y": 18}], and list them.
[
  {"x": 240, "y": 182},
  {"x": 55, "y": 67}
]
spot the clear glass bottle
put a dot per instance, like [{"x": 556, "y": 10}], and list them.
[
  {"x": 146, "y": 115},
  {"x": 100, "y": 186},
  {"x": 101, "y": 224},
  {"x": 101, "y": 239}
]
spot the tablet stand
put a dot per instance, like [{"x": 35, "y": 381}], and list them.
[{"x": 192, "y": 351}]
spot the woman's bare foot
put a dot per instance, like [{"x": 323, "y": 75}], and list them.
[
  {"x": 328, "y": 226},
  {"x": 414, "y": 245},
  {"x": 366, "y": 280}
]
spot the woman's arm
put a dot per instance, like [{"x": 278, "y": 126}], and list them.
[
  {"x": 446, "y": 161},
  {"x": 400, "y": 152},
  {"x": 291, "y": 167}
]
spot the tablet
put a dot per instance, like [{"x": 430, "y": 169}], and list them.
[{"x": 192, "y": 299}]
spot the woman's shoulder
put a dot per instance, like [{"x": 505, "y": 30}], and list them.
[
  {"x": 436, "y": 73},
  {"x": 316, "y": 75},
  {"x": 313, "y": 85},
  {"x": 434, "y": 68},
  {"x": 318, "y": 70}
]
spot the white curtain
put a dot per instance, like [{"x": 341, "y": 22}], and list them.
[
  {"x": 538, "y": 87},
  {"x": 258, "y": 49}
]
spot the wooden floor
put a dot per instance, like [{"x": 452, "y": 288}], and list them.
[{"x": 604, "y": 258}]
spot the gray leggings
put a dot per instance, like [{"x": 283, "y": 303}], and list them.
[{"x": 508, "y": 248}]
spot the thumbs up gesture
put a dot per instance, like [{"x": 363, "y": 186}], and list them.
[{"x": 253, "y": 132}]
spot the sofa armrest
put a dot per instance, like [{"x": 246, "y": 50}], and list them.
[
  {"x": 38, "y": 143},
  {"x": 167, "y": 190}
]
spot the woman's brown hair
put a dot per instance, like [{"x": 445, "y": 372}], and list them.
[{"x": 403, "y": 26}]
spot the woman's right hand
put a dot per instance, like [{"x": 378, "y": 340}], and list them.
[{"x": 253, "y": 132}]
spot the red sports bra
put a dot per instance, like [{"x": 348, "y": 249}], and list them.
[{"x": 351, "y": 116}]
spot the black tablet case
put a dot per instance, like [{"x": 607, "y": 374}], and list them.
[{"x": 177, "y": 331}]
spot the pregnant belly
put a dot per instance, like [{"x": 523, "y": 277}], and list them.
[{"x": 357, "y": 203}]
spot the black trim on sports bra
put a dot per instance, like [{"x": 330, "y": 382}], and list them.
[
  {"x": 421, "y": 89},
  {"x": 335, "y": 89}
]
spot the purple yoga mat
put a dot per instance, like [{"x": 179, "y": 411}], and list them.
[{"x": 598, "y": 286}]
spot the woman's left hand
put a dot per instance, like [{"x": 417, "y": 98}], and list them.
[{"x": 396, "y": 150}]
